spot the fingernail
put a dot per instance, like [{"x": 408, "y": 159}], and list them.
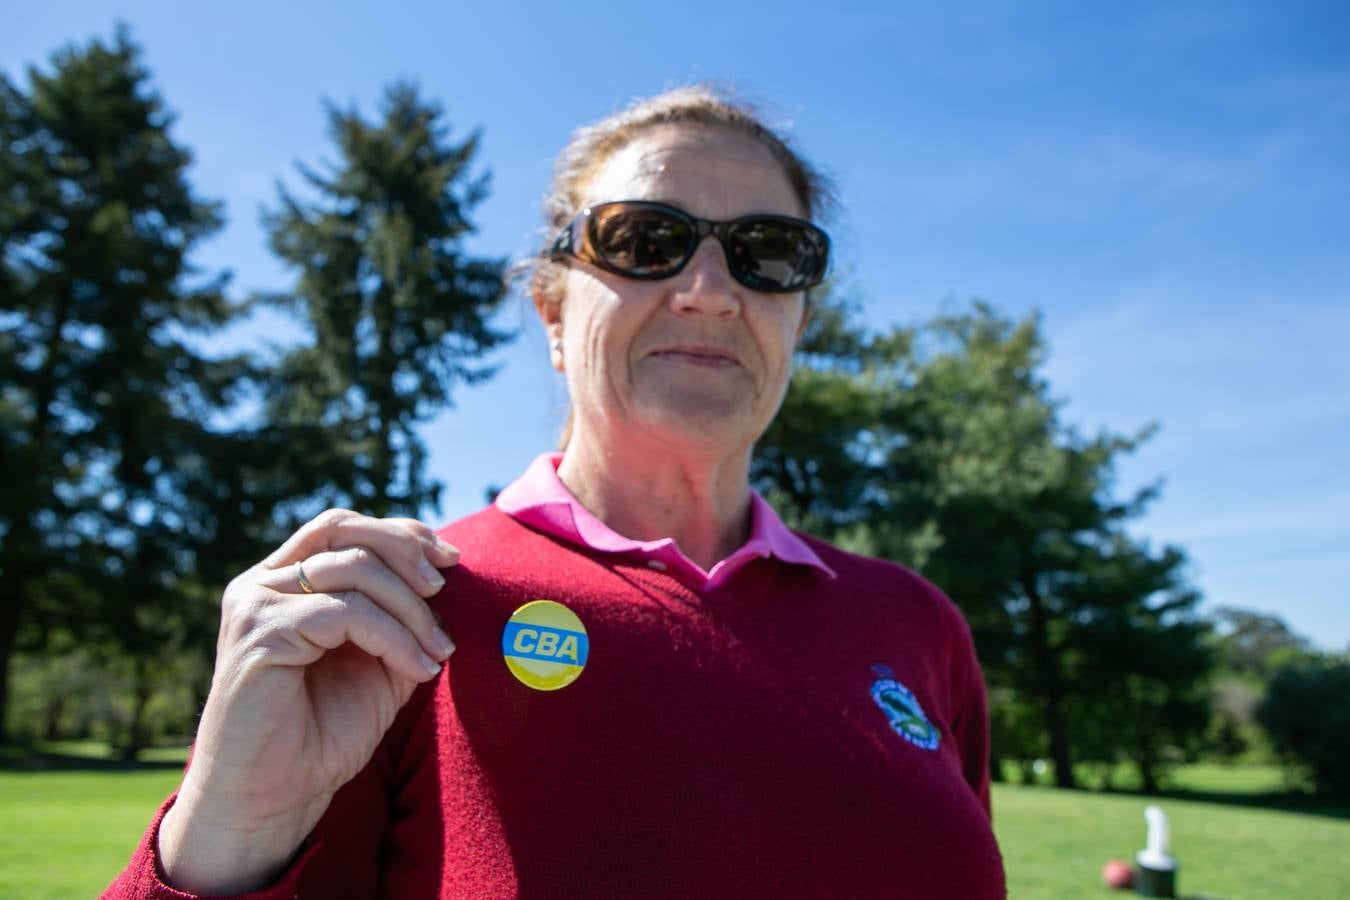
[
  {"x": 430, "y": 665},
  {"x": 446, "y": 645},
  {"x": 431, "y": 575},
  {"x": 448, "y": 549}
]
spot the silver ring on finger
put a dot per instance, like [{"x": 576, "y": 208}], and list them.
[{"x": 305, "y": 584}]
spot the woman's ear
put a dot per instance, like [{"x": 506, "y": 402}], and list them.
[
  {"x": 547, "y": 306},
  {"x": 806, "y": 319},
  {"x": 550, "y": 313},
  {"x": 555, "y": 345}
]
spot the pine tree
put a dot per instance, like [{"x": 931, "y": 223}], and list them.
[
  {"x": 399, "y": 311},
  {"x": 107, "y": 403}
]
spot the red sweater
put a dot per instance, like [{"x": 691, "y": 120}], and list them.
[{"x": 731, "y": 742}]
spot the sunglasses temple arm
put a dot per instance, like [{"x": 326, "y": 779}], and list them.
[{"x": 562, "y": 244}]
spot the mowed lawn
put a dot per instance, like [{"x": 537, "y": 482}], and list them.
[
  {"x": 1055, "y": 843},
  {"x": 65, "y": 834}
]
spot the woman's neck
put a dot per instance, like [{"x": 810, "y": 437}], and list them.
[{"x": 647, "y": 493}]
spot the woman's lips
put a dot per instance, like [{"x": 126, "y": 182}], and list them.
[{"x": 697, "y": 357}]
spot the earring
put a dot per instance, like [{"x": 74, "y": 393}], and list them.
[{"x": 556, "y": 345}]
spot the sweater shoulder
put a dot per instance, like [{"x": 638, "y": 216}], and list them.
[
  {"x": 871, "y": 574},
  {"x": 488, "y": 523},
  {"x": 492, "y": 543},
  {"x": 498, "y": 553}
]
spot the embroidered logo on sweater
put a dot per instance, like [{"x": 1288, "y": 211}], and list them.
[
  {"x": 545, "y": 645},
  {"x": 902, "y": 710}
]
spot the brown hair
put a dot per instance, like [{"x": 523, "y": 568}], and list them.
[{"x": 591, "y": 146}]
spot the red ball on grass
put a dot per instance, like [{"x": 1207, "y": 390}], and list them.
[{"x": 1118, "y": 874}]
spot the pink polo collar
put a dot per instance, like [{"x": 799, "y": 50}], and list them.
[{"x": 540, "y": 500}]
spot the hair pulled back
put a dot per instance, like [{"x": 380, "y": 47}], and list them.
[{"x": 591, "y": 146}]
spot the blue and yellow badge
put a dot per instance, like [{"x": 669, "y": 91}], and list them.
[
  {"x": 903, "y": 711},
  {"x": 545, "y": 645}
]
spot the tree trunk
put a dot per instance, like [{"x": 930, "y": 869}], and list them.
[
  {"x": 56, "y": 705},
  {"x": 385, "y": 364},
  {"x": 1148, "y": 774},
  {"x": 1051, "y": 686},
  {"x": 10, "y": 602},
  {"x": 142, "y": 689},
  {"x": 381, "y": 470}
]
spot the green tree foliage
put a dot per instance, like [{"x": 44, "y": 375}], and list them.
[
  {"x": 1249, "y": 647},
  {"x": 399, "y": 311},
  {"x": 110, "y": 512},
  {"x": 940, "y": 447},
  {"x": 1137, "y": 658},
  {"x": 1307, "y": 716},
  {"x": 1253, "y": 643}
]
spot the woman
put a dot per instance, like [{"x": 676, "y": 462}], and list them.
[{"x": 707, "y": 703}]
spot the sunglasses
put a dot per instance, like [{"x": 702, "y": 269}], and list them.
[{"x": 651, "y": 241}]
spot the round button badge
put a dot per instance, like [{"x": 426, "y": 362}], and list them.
[{"x": 545, "y": 645}]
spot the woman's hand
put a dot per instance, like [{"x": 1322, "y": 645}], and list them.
[{"x": 305, "y": 686}]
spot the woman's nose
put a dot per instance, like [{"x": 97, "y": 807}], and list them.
[{"x": 705, "y": 284}]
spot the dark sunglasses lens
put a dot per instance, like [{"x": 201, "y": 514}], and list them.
[
  {"x": 773, "y": 255},
  {"x": 640, "y": 242}
]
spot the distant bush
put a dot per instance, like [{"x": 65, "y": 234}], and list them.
[
  {"x": 65, "y": 696},
  {"x": 1307, "y": 715},
  {"x": 79, "y": 695}
]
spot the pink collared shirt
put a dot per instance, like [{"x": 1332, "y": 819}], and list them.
[{"x": 540, "y": 500}]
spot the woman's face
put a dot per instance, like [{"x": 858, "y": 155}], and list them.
[{"x": 696, "y": 360}]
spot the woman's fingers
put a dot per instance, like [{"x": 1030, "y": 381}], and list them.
[
  {"x": 300, "y": 629},
  {"x": 406, "y": 546},
  {"x": 331, "y": 620},
  {"x": 359, "y": 569},
  {"x": 365, "y": 580},
  {"x": 439, "y": 551}
]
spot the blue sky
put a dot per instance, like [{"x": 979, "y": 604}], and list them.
[{"x": 1165, "y": 182}]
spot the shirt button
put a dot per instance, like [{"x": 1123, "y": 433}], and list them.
[{"x": 656, "y": 564}]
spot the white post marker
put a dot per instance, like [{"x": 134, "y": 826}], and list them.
[{"x": 1157, "y": 867}]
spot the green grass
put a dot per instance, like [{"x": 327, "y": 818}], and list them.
[
  {"x": 1230, "y": 779},
  {"x": 66, "y": 834},
  {"x": 69, "y": 821},
  {"x": 1240, "y": 779},
  {"x": 1231, "y": 838}
]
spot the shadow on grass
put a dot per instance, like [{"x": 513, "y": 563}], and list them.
[
  {"x": 37, "y": 758},
  {"x": 1283, "y": 801}
]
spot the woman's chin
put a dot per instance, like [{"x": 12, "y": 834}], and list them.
[{"x": 704, "y": 426}]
